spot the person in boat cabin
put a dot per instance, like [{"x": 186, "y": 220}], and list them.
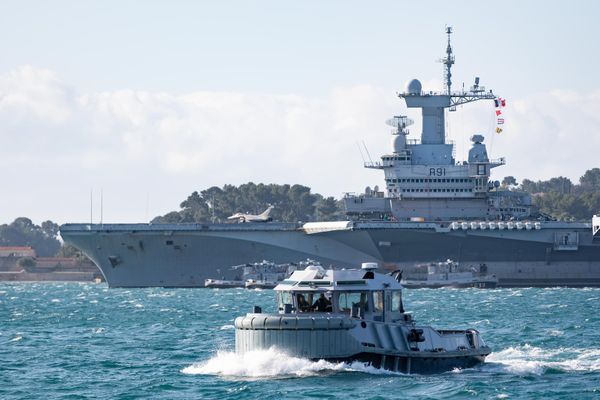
[
  {"x": 323, "y": 304},
  {"x": 303, "y": 305}
]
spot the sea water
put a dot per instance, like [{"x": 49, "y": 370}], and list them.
[{"x": 71, "y": 340}]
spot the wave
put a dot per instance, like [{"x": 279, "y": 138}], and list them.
[
  {"x": 273, "y": 363},
  {"x": 529, "y": 359}
]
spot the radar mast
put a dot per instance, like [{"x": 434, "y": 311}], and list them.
[
  {"x": 433, "y": 104},
  {"x": 448, "y": 61}
]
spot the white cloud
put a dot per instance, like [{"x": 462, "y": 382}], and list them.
[
  {"x": 556, "y": 133},
  {"x": 28, "y": 92},
  {"x": 58, "y": 143}
]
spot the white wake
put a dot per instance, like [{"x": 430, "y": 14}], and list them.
[
  {"x": 528, "y": 359},
  {"x": 272, "y": 363}
]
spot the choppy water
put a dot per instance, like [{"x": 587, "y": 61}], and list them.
[{"x": 84, "y": 340}]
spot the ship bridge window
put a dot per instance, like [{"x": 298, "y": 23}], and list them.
[{"x": 346, "y": 300}]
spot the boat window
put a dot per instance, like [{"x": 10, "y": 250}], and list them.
[
  {"x": 347, "y": 299},
  {"x": 378, "y": 301},
  {"x": 303, "y": 301},
  {"x": 283, "y": 298},
  {"x": 396, "y": 300},
  {"x": 312, "y": 301}
]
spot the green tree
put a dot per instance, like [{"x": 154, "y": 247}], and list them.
[
  {"x": 23, "y": 232},
  {"x": 26, "y": 262},
  {"x": 590, "y": 181},
  {"x": 509, "y": 181},
  {"x": 291, "y": 204},
  {"x": 327, "y": 209},
  {"x": 50, "y": 229}
]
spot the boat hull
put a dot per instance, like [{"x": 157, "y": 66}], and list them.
[
  {"x": 143, "y": 255},
  {"x": 458, "y": 285},
  {"x": 335, "y": 337},
  {"x": 221, "y": 284},
  {"x": 417, "y": 364}
]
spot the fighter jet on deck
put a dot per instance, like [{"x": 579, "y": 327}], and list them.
[{"x": 264, "y": 217}]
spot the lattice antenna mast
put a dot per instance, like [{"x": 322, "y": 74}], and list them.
[{"x": 448, "y": 61}]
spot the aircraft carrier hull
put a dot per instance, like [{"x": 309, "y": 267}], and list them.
[{"x": 184, "y": 255}]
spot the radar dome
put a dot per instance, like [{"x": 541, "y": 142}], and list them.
[
  {"x": 413, "y": 86},
  {"x": 398, "y": 143}
]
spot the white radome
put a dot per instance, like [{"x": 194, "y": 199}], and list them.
[{"x": 413, "y": 86}]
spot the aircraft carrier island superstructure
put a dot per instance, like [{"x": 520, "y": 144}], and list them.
[{"x": 433, "y": 208}]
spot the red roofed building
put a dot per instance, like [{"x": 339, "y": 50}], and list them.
[{"x": 17, "y": 251}]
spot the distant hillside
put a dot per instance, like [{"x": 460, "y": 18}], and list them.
[
  {"x": 563, "y": 199},
  {"x": 23, "y": 232}
]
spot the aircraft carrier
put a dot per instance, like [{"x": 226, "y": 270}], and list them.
[{"x": 432, "y": 209}]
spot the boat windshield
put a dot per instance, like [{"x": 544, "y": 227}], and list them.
[
  {"x": 348, "y": 299},
  {"x": 312, "y": 301},
  {"x": 397, "y": 301}
]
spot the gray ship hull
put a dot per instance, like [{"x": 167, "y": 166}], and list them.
[{"x": 184, "y": 255}]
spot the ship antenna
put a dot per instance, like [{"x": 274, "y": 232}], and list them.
[
  {"x": 361, "y": 153},
  {"x": 101, "y": 206},
  {"x": 448, "y": 61},
  {"x": 91, "y": 206},
  {"x": 367, "y": 150}
]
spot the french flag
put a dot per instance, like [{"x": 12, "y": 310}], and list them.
[{"x": 500, "y": 102}]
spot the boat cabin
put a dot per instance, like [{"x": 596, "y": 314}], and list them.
[{"x": 357, "y": 292}]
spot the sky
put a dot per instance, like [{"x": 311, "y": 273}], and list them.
[{"x": 145, "y": 102}]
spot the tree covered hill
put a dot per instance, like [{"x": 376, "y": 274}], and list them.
[
  {"x": 565, "y": 200},
  {"x": 291, "y": 203},
  {"x": 23, "y": 232}
]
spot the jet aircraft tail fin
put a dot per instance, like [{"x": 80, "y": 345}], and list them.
[{"x": 265, "y": 214}]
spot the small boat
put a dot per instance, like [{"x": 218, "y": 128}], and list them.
[
  {"x": 258, "y": 275},
  {"x": 223, "y": 283},
  {"x": 260, "y": 284},
  {"x": 448, "y": 274},
  {"x": 355, "y": 315}
]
